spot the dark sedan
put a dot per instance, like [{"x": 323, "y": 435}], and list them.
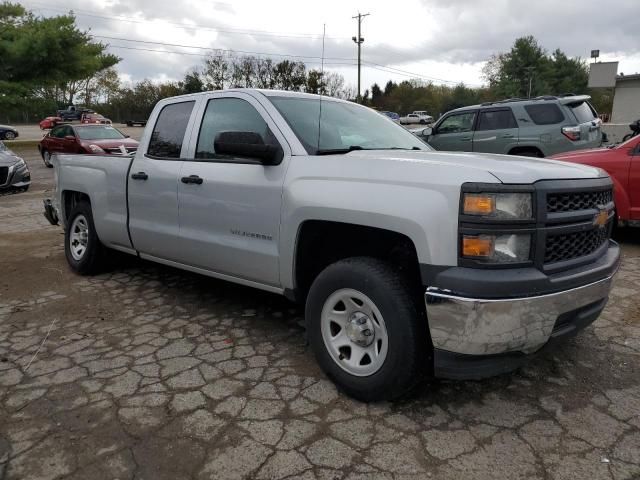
[
  {"x": 98, "y": 139},
  {"x": 14, "y": 174},
  {"x": 8, "y": 133}
]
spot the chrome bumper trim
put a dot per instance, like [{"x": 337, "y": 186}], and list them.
[{"x": 488, "y": 326}]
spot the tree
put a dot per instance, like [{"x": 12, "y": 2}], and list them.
[
  {"x": 314, "y": 82},
  {"x": 38, "y": 52},
  {"x": 216, "y": 73},
  {"x": 376, "y": 95},
  {"x": 192, "y": 83},
  {"x": 527, "y": 68}
]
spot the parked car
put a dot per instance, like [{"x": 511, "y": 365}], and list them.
[
  {"x": 622, "y": 163},
  {"x": 8, "y": 133},
  {"x": 14, "y": 173},
  {"x": 537, "y": 127},
  {"x": 92, "y": 139},
  {"x": 408, "y": 260},
  {"x": 392, "y": 115},
  {"x": 94, "y": 118},
  {"x": 49, "y": 122},
  {"x": 134, "y": 123},
  {"x": 73, "y": 112},
  {"x": 424, "y": 115}
]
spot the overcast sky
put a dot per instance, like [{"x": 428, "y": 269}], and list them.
[{"x": 442, "y": 40}]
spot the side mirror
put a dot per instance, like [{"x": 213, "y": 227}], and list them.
[
  {"x": 71, "y": 138},
  {"x": 427, "y": 132},
  {"x": 247, "y": 144}
]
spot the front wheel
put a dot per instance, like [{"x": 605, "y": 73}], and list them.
[
  {"x": 9, "y": 135},
  {"x": 82, "y": 246},
  {"x": 366, "y": 329},
  {"x": 627, "y": 137}
]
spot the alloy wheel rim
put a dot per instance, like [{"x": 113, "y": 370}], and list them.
[
  {"x": 354, "y": 332},
  {"x": 79, "y": 237}
]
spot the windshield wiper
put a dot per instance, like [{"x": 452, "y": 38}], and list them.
[{"x": 339, "y": 151}]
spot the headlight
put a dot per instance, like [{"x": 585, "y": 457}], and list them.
[
  {"x": 95, "y": 149},
  {"x": 500, "y": 206},
  {"x": 501, "y": 248},
  {"x": 20, "y": 163}
]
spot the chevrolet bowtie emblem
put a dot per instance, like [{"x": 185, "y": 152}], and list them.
[{"x": 601, "y": 218}]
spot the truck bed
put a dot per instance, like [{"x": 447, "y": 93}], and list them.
[{"x": 103, "y": 178}]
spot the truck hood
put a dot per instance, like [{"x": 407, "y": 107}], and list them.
[{"x": 506, "y": 168}]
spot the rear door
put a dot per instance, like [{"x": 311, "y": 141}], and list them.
[
  {"x": 496, "y": 131},
  {"x": 454, "y": 132},
  {"x": 233, "y": 212},
  {"x": 55, "y": 138},
  {"x": 153, "y": 184}
]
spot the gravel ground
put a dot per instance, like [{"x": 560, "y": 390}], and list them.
[{"x": 151, "y": 373}]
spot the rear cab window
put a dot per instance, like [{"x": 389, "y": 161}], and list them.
[
  {"x": 545, "y": 113},
  {"x": 168, "y": 133}
]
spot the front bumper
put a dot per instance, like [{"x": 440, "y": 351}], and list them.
[{"x": 475, "y": 337}]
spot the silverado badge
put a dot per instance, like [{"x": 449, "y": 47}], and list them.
[{"x": 601, "y": 218}]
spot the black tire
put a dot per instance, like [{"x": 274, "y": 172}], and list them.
[
  {"x": 9, "y": 136},
  {"x": 92, "y": 260},
  {"x": 530, "y": 152},
  {"x": 46, "y": 158},
  {"x": 627, "y": 137},
  {"x": 408, "y": 343}
]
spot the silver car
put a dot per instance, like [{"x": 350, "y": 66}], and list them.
[{"x": 14, "y": 173}]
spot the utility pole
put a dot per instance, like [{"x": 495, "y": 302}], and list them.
[
  {"x": 358, "y": 40},
  {"x": 530, "y": 70}
]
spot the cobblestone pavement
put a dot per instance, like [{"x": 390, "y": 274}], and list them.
[{"x": 148, "y": 372}]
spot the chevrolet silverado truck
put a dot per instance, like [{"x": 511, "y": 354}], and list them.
[{"x": 411, "y": 263}]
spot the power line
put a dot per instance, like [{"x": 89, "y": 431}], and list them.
[
  {"x": 205, "y": 55},
  {"x": 233, "y": 31},
  {"x": 213, "y": 49}
]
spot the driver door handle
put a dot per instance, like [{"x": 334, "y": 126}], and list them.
[
  {"x": 139, "y": 176},
  {"x": 192, "y": 179}
]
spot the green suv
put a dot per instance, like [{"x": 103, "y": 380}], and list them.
[{"x": 537, "y": 127}]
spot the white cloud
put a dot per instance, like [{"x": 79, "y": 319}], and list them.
[{"x": 447, "y": 40}]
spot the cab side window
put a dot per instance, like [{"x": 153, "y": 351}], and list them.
[
  {"x": 168, "y": 132},
  {"x": 230, "y": 115},
  {"x": 496, "y": 120},
  {"x": 457, "y": 123}
]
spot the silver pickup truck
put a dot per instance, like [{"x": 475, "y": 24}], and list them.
[{"x": 410, "y": 262}]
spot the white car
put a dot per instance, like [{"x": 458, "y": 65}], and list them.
[{"x": 419, "y": 116}]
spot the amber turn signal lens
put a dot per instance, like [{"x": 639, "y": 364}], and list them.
[
  {"x": 479, "y": 204},
  {"x": 481, "y": 246}
]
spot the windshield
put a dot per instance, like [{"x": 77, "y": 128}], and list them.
[
  {"x": 343, "y": 127},
  {"x": 99, "y": 133}
]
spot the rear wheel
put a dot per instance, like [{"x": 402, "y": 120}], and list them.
[
  {"x": 82, "y": 246},
  {"x": 366, "y": 330},
  {"x": 46, "y": 157},
  {"x": 9, "y": 135},
  {"x": 627, "y": 137}
]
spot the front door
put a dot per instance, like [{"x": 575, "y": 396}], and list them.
[
  {"x": 230, "y": 213},
  {"x": 454, "y": 132},
  {"x": 496, "y": 131},
  {"x": 153, "y": 185}
]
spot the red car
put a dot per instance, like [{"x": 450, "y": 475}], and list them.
[
  {"x": 622, "y": 163},
  {"x": 94, "y": 118},
  {"x": 98, "y": 139},
  {"x": 49, "y": 122}
]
